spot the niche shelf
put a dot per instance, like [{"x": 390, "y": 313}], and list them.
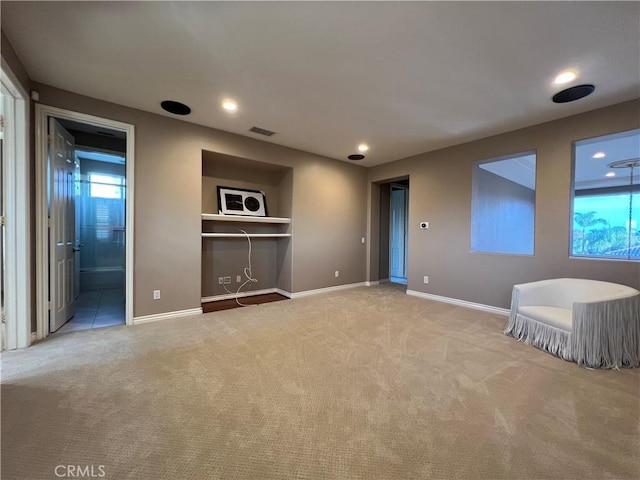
[
  {"x": 215, "y": 217},
  {"x": 243, "y": 218},
  {"x": 242, "y": 235}
]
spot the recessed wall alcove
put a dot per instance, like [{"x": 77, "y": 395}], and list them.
[{"x": 226, "y": 254}]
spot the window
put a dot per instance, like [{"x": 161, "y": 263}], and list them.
[
  {"x": 106, "y": 186},
  {"x": 606, "y": 197},
  {"x": 503, "y": 199}
]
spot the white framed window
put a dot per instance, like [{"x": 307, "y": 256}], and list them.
[
  {"x": 106, "y": 186},
  {"x": 606, "y": 197}
]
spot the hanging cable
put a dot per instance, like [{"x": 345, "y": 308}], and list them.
[{"x": 247, "y": 273}]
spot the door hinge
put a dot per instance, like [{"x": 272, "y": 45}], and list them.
[
  {"x": 50, "y": 305},
  {"x": 2, "y": 221},
  {"x": 3, "y": 317},
  {"x": 49, "y": 223}
]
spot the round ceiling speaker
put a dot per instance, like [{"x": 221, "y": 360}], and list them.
[
  {"x": 176, "y": 108},
  {"x": 573, "y": 93},
  {"x": 355, "y": 156}
]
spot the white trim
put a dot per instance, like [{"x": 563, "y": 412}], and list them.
[
  {"x": 165, "y": 316},
  {"x": 42, "y": 112},
  {"x": 18, "y": 89},
  {"x": 372, "y": 284},
  {"x": 318, "y": 291},
  {"x": 284, "y": 293},
  {"x": 460, "y": 303},
  {"x": 245, "y": 235},
  {"x": 251, "y": 293},
  {"x": 227, "y": 296},
  {"x": 17, "y": 231},
  {"x": 218, "y": 217}
]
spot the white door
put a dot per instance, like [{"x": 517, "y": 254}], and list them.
[
  {"x": 61, "y": 224},
  {"x": 398, "y": 232},
  {"x": 77, "y": 245}
]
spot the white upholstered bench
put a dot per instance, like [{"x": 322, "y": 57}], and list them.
[{"x": 595, "y": 324}]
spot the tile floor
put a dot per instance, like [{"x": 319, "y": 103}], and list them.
[{"x": 96, "y": 309}]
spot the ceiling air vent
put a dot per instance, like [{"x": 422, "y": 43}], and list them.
[{"x": 261, "y": 131}]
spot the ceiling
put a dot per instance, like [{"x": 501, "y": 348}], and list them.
[
  {"x": 591, "y": 171},
  {"x": 520, "y": 169},
  {"x": 404, "y": 77}
]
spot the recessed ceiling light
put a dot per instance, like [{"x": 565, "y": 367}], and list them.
[
  {"x": 230, "y": 105},
  {"x": 363, "y": 147},
  {"x": 610, "y": 174},
  {"x": 174, "y": 107},
  {"x": 565, "y": 77},
  {"x": 599, "y": 155}
]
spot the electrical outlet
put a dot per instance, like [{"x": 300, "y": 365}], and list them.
[
  {"x": 220, "y": 280},
  {"x": 227, "y": 280},
  {"x": 337, "y": 274},
  {"x": 238, "y": 278},
  {"x": 156, "y": 294},
  {"x": 426, "y": 279}
]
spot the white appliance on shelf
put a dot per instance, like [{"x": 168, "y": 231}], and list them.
[{"x": 236, "y": 201}]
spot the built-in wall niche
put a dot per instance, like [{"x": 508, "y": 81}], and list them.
[{"x": 225, "y": 247}]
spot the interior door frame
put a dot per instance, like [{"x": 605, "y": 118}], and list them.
[
  {"x": 17, "y": 232},
  {"x": 399, "y": 186},
  {"x": 42, "y": 114}
]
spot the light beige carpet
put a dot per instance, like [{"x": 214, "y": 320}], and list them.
[{"x": 360, "y": 384}]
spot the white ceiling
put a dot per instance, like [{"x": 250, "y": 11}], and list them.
[
  {"x": 519, "y": 169},
  {"x": 591, "y": 172},
  {"x": 404, "y": 77}
]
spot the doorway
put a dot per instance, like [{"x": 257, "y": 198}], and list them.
[
  {"x": 398, "y": 242},
  {"x": 85, "y": 219},
  {"x": 391, "y": 199},
  {"x": 15, "y": 266},
  {"x": 99, "y": 239}
]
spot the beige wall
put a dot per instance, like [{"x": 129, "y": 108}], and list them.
[
  {"x": 9, "y": 55},
  {"x": 329, "y": 205},
  {"x": 330, "y": 215},
  {"x": 441, "y": 194}
]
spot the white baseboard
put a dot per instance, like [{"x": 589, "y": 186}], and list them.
[
  {"x": 460, "y": 303},
  {"x": 328, "y": 289},
  {"x": 372, "y": 283},
  {"x": 284, "y": 293},
  {"x": 248, "y": 293},
  {"x": 166, "y": 316}
]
